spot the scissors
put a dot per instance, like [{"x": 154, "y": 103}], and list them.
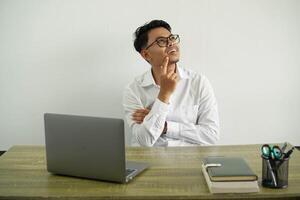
[{"x": 271, "y": 152}]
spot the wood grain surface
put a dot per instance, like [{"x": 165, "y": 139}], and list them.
[{"x": 174, "y": 173}]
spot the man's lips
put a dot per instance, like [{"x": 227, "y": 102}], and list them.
[{"x": 171, "y": 51}]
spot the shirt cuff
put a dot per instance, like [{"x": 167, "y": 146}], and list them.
[
  {"x": 160, "y": 107},
  {"x": 173, "y": 129}
]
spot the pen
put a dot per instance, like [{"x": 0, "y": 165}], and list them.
[
  {"x": 287, "y": 155},
  {"x": 284, "y": 147}
]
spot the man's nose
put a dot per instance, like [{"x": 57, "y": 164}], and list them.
[{"x": 170, "y": 43}]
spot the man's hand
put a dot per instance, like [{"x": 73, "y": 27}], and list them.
[
  {"x": 168, "y": 81},
  {"x": 139, "y": 115}
]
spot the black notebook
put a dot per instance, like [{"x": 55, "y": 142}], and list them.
[{"x": 231, "y": 169}]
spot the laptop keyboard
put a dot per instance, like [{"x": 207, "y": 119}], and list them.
[{"x": 129, "y": 171}]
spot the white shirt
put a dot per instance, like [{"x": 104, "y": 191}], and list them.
[{"x": 191, "y": 115}]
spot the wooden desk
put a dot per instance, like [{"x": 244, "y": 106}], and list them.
[{"x": 175, "y": 173}]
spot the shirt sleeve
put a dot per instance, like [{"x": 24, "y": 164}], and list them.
[
  {"x": 206, "y": 129},
  {"x": 148, "y": 132}
]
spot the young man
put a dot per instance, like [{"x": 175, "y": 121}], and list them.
[{"x": 168, "y": 105}]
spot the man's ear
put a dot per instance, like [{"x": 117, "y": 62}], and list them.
[{"x": 144, "y": 53}]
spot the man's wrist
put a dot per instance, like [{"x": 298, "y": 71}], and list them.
[{"x": 163, "y": 97}]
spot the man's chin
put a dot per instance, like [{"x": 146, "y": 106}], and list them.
[{"x": 173, "y": 61}]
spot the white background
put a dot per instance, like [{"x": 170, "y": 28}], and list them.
[{"x": 76, "y": 57}]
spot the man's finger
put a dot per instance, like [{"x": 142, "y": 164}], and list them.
[
  {"x": 169, "y": 75},
  {"x": 146, "y": 111},
  {"x": 137, "y": 118},
  {"x": 141, "y": 112},
  {"x": 138, "y": 114},
  {"x": 165, "y": 65},
  {"x": 174, "y": 76}
]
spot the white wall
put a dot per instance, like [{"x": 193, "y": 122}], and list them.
[{"x": 77, "y": 56}]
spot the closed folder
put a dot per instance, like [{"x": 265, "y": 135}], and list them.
[{"x": 229, "y": 169}]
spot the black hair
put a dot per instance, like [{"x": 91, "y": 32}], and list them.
[{"x": 141, "y": 33}]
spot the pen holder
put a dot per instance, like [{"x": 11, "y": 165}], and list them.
[{"x": 275, "y": 173}]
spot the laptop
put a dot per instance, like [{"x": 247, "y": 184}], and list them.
[{"x": 88, "y": 147}]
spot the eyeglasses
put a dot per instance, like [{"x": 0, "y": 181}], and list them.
[{"x": 164, "y": 41}]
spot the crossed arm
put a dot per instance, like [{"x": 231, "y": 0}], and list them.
[{"x": 148, "y": 125}]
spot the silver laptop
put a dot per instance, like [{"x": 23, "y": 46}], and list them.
[{"x": 88, "y": 147}]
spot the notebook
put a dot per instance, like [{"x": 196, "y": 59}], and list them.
[
  {"x": 229, "y": 186},
  {"x": 230, "y": 169}
]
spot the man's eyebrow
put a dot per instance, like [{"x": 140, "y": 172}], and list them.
[{"x": 162, "y": 37}]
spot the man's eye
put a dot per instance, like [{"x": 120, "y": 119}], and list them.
[
  {"x": 172, "y": 37},
  {"x": 161, "y": 41}
]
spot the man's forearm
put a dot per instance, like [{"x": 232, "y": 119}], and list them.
[
  {"x": 153, "y": 126},
  {"x": 196, "y": 134}
]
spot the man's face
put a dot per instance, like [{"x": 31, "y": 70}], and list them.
[{"x": 155, "y": 54}]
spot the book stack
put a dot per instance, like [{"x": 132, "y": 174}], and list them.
[{"x": 229, "y": 175}]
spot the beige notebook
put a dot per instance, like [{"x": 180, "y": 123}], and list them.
[
  {"x": 229, "y": 175},
  {"x": 228, "y": 186}
]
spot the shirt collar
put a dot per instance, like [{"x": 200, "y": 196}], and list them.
[
  {"x": 149, "y": 80},
  {"x": 182, "y": 73}
]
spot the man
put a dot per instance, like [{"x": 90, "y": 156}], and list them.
[{"x": 168, "y": 105}]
